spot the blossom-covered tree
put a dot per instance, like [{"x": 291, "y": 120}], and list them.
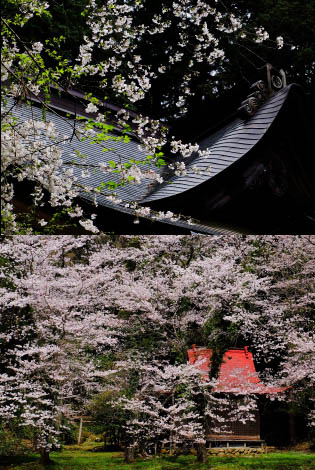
[
  {"x": 282, "y": 328},
  {"x": 46, "y": 368},
  {"x": 174, "y": 407}
]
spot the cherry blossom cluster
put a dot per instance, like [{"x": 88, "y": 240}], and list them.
[
  {"x": 115, "y": 30},
  {"x": 34, "y": 149}
]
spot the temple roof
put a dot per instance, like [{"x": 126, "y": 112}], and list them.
[
  {"x": 230, "y": 145},
  {"x": 226, "y": 146},
  {"x": 237, "y": 371}
]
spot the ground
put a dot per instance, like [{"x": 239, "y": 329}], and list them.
[{"x": 72, "y": 458}]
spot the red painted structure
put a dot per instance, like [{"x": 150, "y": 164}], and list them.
[{"x": 237, "y": 371}]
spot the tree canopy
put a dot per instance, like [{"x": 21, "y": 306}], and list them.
[{"x": 111, "y": 319}]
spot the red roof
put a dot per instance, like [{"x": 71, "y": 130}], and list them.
[{"x": 237, "y": 371}]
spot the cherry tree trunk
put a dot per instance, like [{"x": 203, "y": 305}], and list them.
[
  {"x": 44, "y": 457},
  {"x": 202, "y": 453},
  {"x": 129, "y": 454},
  {"x": 292, "y": 429}
]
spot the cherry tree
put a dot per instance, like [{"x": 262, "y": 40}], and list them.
[
  {"x": 49, "y": 373},
  {"x": 158, "y": 413},
  {"x": 282, "y": 325},
  {"x": 175, "y": 407}
]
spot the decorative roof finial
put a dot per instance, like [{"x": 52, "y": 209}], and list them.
[{"x": 272, "y": 81}]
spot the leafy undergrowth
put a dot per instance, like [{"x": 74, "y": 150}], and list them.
[{"x": 83, "y": 459}]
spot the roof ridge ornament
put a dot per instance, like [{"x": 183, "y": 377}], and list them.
[{"x": 273, "y": 80}]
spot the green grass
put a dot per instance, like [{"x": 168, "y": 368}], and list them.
[{"x": 74, "y": 459}]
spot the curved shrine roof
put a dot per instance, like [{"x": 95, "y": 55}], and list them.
[
  {"x": 237, "y": 371},
  {"x": 226, "y": 146}
]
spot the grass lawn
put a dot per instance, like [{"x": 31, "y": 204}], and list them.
[{"x": 83, "y": 459}]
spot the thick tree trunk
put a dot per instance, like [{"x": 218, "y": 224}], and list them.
[
  {"x": 44, "y": 457},
  {"x": 129, "y": 454},
  {"x": 292, "y": 429},
  {"x": 202, "y": 453}
]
